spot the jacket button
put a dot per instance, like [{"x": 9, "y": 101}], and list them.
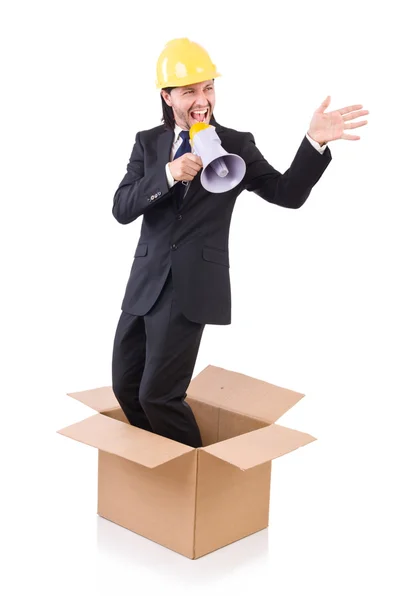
[
  {"x": 179, "y": 217},
  {"x": 174, "y": 247}
]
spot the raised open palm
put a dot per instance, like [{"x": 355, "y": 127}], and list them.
[{"x": 325, "y": 127}]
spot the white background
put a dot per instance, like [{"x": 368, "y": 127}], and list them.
[{"x": 314, "y": 290}]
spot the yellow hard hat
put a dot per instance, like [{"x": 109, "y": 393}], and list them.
[{"x": 183, "y": 62}]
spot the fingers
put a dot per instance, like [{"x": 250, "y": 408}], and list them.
[
  {"x": 190, "y": 157},
  {"x": 186, "y": 167},
  {"x": 346, "y": 136},
  {"x": 354, "y": 115},
  {"x": 191, "y": 164},
  {"x": 189, "y": 160},
  {"x": 348, "y": 109},
  {"x": 354, "y": 125},
  {"x": 189, "y": 170},
  {"x": 324, "y": 104}
]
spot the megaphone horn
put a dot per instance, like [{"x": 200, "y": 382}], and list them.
[{"x": 221, "y": 171}]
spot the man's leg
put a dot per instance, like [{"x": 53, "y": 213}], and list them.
[
  {"x": 172, "y": 344},
  {"x": 128, "y": 362}
]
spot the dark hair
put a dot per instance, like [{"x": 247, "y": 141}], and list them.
[{"x": 168, "y": 114}]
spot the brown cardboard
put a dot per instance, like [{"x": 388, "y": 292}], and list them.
[
  {"x": 242, "y": 394},
  {"x": 124, "y": 440},
  {"x": 260, "y": 446},
  {"x": 192, "y": 500}
]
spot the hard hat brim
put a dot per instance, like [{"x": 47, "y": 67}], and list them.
[{"x": 182, "y": 82}]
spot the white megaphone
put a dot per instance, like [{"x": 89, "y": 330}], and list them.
[{"x": 221, "y": 171}]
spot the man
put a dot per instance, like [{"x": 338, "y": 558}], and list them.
[{"x": 179, "y": 279}]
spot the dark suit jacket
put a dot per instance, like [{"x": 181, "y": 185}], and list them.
[{"x": 194, "y": 239}]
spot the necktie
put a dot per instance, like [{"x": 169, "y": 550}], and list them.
[{"x": 183, "y": 148}]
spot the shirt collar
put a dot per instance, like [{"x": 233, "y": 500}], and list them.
[{"x": 177, "y": 131}]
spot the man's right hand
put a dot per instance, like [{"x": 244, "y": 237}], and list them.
[{"x": 186, "y": 167}]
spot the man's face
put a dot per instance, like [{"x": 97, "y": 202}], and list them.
[{"x": 192, "y": 103}]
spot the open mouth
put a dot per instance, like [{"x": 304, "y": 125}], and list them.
[{"x": 199, "y": 115}]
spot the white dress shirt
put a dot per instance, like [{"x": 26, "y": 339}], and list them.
[{"x": 178, "y": 141}]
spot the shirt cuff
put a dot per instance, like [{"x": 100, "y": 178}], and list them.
[
  {"x": 316, "y": 145},
  {"x": 171, "y": 181}
]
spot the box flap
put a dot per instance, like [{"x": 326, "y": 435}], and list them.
[
  {"x": 125, "y": 440},
  {"x": 100, "y": 399},
  {"x": 243, "y": 394},
  {"x": 259, "y": 446}
]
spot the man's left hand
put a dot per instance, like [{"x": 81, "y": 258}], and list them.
[{"x": 326, "y": 127}]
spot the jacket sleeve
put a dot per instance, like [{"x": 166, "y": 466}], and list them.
[
  {"x": 290, "y": 189},
  {"x": 140, "y": 189}
]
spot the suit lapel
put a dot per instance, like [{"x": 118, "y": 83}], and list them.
[{"x": 164, "y": 145}]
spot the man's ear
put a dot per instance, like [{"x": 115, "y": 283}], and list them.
[{"x": 166, "y": 97}]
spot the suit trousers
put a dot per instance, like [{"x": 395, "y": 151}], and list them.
[{"x": 152, "y": 365}]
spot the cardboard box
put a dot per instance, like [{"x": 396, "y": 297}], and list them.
[{"x": 192, "y": 500}]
